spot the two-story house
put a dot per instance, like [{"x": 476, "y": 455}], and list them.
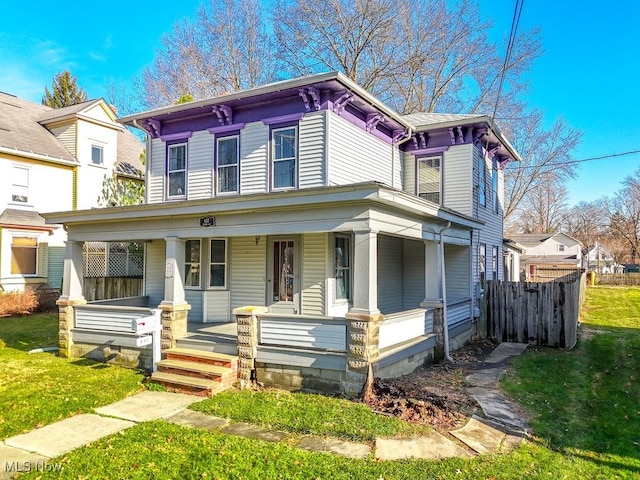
[
  {"x": 548, "y": 256},
  {"x": 50, "y": 160},
  {"x": 358, "y": 236}
]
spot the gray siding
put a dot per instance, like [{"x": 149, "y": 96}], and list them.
[
  {"x": 56, "y": 266},
  {"x": 458, "y": 175},
  {"x": 155, "y": 182},
  {"x": 413, "y": 265},
  {"x": 357, "y": 156},
  {"x": 314, "y": 259},
  {"x": 409, "y": 173},
  {"x": 312, "y": 150},
  {"x": 218, "y": 306},
  {"x": 194, "y": 298},
  {"x": 254, "y": 140},
  {"x": 154, "y": 272},
  {"x": 457, "y": 271},
  {"x": 326, "y": 335},
  {"x": 66, "y": 134},
  {"x": 248, "y": 270},
  {"x": 200, "y": 165},
  {"x": 390, "y": 274}
]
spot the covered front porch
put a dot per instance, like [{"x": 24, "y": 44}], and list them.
[{"x": 308, "y": 292}]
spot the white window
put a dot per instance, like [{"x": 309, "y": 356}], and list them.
[
  {"x": 285, "y": 156},
  {"x": 192, "y": 263},
  {"x": 177, "y": 170},
  {"x": 218, "y": 263},
  {"x": 343, "y": 267},
  {"x": 96, "y": 155},
  {"x": 227, "y": 158},
  {"x": 494, "y": 263},
  {"x": 429, "y": 179},
  {"x": 20, "y": 184},
  {"x": 24, "y": 256}
]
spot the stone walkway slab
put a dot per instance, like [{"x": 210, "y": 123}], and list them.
[
  {"x": 497, "y": 407},
  {"x": 487, "y": 377},
  {"x": 147, "y": 406},
  {"x": 250, "y": 431},
  {"x": 191, "y": 418},
  {"x": 429, "y": 447},
  {"x": 480, "y": 435},
  {"x": 63, "y": 436},
  {"x": 15, "y": 460},
  {"x": 334, "y": 445},
  {"x": 510, "y": 349}
]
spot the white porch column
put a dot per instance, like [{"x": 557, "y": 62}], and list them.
[
  {"x": 173, "y": 284},
  {"x": 432, "y": 284},
  {"x": 365, "y": 273},
  {"x": 72, "y": 276}
]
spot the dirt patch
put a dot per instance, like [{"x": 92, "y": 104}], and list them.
[{"x": 434, "y": 395}]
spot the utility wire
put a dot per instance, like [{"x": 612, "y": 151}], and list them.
[{"x": 511, "y": 167}]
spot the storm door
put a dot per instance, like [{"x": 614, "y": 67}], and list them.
[{"x": 283, "y": 286}]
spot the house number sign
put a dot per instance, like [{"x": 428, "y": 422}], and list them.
[{"x": 208, "y": 221}]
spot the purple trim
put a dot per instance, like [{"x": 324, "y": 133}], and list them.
[
  {"x": 234, "y": 127},
  {"x": 428, "y": 151},
  {"x": 372, "y": 121},
  {"x": 293, "y": 117},
  {"x": 154, "y": 127},
  {"x": 175, "y": 136},
  {"x": 224, "y": 114}
]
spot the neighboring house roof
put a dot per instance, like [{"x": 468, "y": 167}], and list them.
[
  {"x": 534, "y": 239},
  {"x": 513, "y": 245},
  {"x": 129, "y": 151},
  {"x": 23, "y": 218},
  {"x": 71, "y": 110},
  {"x": 20, "y": 132}
]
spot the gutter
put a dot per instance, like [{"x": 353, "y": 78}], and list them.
[{"x": 37, "y": 156}]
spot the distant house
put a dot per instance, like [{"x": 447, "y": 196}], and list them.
[
  {"x": 513, "y": 251},
  {"x": 601, "y": 260},
  {"x": 53, "y": 159},
  {"x": 548, "y": 256}
]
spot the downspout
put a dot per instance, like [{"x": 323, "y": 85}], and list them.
[
  {"x": 147, "y": 157},
  {"x": 444, "y": 294}
]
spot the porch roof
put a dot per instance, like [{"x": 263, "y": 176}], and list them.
[{"x": 362, "y": 194}]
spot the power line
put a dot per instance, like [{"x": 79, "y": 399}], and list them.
[{"x": 571, "y": 162}]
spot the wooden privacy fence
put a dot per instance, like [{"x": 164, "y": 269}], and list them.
[
  {"x": 103, "y": 288},
  {"x": 541, "y": 313}
]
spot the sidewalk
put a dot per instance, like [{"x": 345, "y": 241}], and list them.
[{"x": 500, "y": 430}]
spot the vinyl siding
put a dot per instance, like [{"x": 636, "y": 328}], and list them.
[
  {"x": 154, "y": 275},
  {"x": 218, "y": 306},
  {"x": 314, "y": 259},
  {"x": 194, "y": 298},
  {"x": 254, "y": 141},
  {"x": 248, "y": 270},
  {"x": 200, "y": 151},
  {"x": 457, "y": 271},
  {"x": 56, "y": 266},
  {"x": 66, "y": 135},
  {"x": 458, "y": 174},
  {"x": 357, "y": 156},
  {"x": 303, "y": 334},
  {"x": 409, "y": 173},
  {"x": 390, "y": 274},
  {"x": 312, "y": 136},
  {"x": 155, "y": 182},
  {"x": 413, "y": 264}
]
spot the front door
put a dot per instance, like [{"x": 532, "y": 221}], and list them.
[{"x": 283, "y": 285}]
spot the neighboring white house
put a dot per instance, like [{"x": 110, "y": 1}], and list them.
[
  {"x": 548, "y": 256},
  {"x": 311, "y": 199},
  {"x": 51, "y": 160},
  {"x": 600, "y": 259}
]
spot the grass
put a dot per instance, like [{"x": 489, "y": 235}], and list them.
[
  {"x": 306, "y": 414},
  {"x": 41, "y": 388}
]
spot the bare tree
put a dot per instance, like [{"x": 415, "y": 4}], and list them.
[
  {"x": 624, "y": 211},
  {"x": 588, "y": 222},
  {"x": 227, "y": 48},
  {"x": 543, "y": 209}
]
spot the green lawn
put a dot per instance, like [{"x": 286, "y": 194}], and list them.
[
  {"x": 41, "y": 388},
  {"x": 584, "y": 406}
]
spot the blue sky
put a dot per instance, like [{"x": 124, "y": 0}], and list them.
[{"x": 589, "y": 73}]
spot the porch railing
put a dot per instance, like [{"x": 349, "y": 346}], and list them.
[
  {"x": 111, "y": 318},
  {"x": 302, "y": 331}
]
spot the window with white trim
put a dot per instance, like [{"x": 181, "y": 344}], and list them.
[
  {"x": 342, "y": 251},
  {"x": 560, "y": 247},
  {"x": 24, "y": 256},
  {"x": 177, "y": 170},
  {"x": 429, "y": 179},
  {"x": 285, "y": 157},
  {"x": 227, "y": 164},
  {"x": 192, "y": 263},
  {"x": 218, "y": 263},
  {"x": 20, "y": 184},
  {"x": 97, "y": 155}
]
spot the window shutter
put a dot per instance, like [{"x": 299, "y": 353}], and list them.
[{"x": 43, "y": 259}]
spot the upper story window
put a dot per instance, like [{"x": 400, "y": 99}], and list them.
[
  {"x": 20, "y": 184},
  {"x": 227, "y": 155},
  {"x": 285, "y": 157},
  {"x": 24, "y": 256},
  {"x": 343, "y": 267},
  {"x": 429, "y": 179},
  {"x": 97, "y": 155},
  {"x": 192, "y": 263},
  {"x": 494, "y": 182},
  {"x": 177, "y": 170},
  {"x": 218, "y": 263}
]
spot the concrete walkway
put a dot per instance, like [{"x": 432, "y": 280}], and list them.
[{"x": 501, "y": 430}]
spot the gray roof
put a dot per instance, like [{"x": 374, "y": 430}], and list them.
[
  {"x": 22, "y": 218},
  {"x": 20, "y": 130},
  {"x": 531, "y": 239},
  {"x": 129, "y": 151},
  {"x": 425, "y": 119},
  {"x": 66, "y": 111}
]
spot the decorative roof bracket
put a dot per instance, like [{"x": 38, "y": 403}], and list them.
[
  {"x": 372, "y": 121},
  {"x": 341, "y": 102},
  {"x": 312, "y": 93},
  {"x": 224, "y": 114},
  {"x": 153, "y": 127}
]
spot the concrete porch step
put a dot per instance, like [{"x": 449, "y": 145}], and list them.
[{"x": 189, "y": 385}]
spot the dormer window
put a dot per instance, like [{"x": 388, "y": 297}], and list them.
[
  {"x": 429, "y": 179},
  {"x": 96, "y": 155}
]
